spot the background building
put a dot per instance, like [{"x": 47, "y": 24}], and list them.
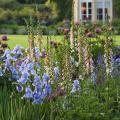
[{"x": 93, "y": 10}]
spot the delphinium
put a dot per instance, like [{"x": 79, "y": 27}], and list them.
[
  {"x": 99, "y": 70},
  {"x": 27, "y": 70},
  {"x": 76, "y": 86},
  {"x": 98, "y": 74},
  {"x": 116, "y": 64},
  {"x": 9, "y": 57},
  {"x": 26, "y": 75}
]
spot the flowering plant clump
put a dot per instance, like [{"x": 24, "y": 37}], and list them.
[{"x": 26, "y": 74}]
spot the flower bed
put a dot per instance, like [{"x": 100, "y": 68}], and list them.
[{"x": 69, "y": 80}]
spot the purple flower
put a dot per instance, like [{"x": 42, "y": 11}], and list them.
[
  {"x": 14, "y": 72},
  {"x": 12, "y": 69},
  {"x": 117, "y": 60},
  {"x": 56, "y": 73},
  {"x": 37, "y": 52},
  {"x": 25, "y": 74},
  {"x": 46, "y": 77},
  {"x": 4, "y": 38},
  {"x": 1, "y": 74},
  {"x": 36, "y": 80},
  {"x": 33, "y": 72},
  {"x": 9, "y": 57},
  {"x": 4, "y": 45},
  {"x": 18, "y": 64},
  {"x": 89, "y": 34},
  {"x": 28, "y": 93},
  {"x": 38, "y": 87},
  {"x": 38, "y": 65},
  {"x": 17, "y": 49},
  {"x": 37, "y": 99},
  {"x": 47, "y": 89},
  {"x": 30, "y": 66},
  {"x": 22, "y": 80},
  {"x": 44, "y": 54},
  {"x": 19, "y": 88},
  {"x": 19, "y": 54},
  {"x": 76, "y": 86},
  {"x": 7, "y": 63},
  {"x": 6, "y": 53},
  {"x": 98, "y": 30},
  {"x": 100, "y": 59}
]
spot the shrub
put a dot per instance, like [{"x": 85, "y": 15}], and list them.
[{"x": 21, "y": 31}]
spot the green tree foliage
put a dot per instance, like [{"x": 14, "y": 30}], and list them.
[
  {"x": 116, "y": 6},
  {"x": 7, "y": 3},
  {"x": 13, "y": 11},
  {"x": 31, "y": 1},
  {"x": 64, "y": 7}
]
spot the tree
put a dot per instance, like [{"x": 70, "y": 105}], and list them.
[
  {"x": 4, "y": 2},
  {"x": 64, "y": 8},
  {"x": 31, "y": 1},
  {"x": 116, "y": 8}
]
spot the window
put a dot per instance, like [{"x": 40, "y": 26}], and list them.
[
  {"x": 86, "y": 10},
  {"x": 99, "y": 6},
  {"x": 89, "y": 10},
  {"x": 99, "y": 14}
]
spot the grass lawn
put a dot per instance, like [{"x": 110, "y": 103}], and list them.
[
  {"x": 23, "y": 40},
  {"x": 117, "y": 40}
]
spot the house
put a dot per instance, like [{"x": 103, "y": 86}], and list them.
[{"x": 93, "y": 10}]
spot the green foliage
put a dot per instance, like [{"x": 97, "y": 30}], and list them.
[
  {"x": 3, "y": 2},
  {"x": 64, "y": 8},
  {"x": 14, "y": 11},
  {"x": 94, "y": 102},
  {"x": 91, "y": 102},
  {"x": 116, "y": 6}
]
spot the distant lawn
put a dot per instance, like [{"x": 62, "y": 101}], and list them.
[
  {"x": 17, "y": 40},
  {"x": 23, "y": 40},
  {"x": 117, "y": 40}
]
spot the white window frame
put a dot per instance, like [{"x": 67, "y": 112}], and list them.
[{"x": 87, "y": 9}]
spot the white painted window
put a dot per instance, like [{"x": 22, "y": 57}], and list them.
[
  {"x": 86, "y": 10},
  {"x": 99, "y": 14}
]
